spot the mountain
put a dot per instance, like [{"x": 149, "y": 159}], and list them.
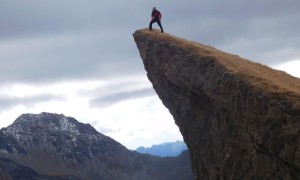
[
  {"x": 53, "y": 146},
  {"x": 164, "y": 150},
  {"x": 240, "y": 119}
]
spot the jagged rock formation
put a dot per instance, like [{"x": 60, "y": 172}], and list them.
[
  {"x": 239, "y": 119},
  {"x": 53, "y": 146}
]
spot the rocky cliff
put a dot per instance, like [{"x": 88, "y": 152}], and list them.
[{"x": 239, "y": 119}]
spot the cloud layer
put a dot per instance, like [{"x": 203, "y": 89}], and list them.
[
  {"x": 46, "y": 40},
  {"x": 79, "y": 57}
]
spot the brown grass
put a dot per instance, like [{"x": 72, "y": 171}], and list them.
[{"x": 260, "y": 76}]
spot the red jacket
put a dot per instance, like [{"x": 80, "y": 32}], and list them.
[{"x": 156, "y": 15}]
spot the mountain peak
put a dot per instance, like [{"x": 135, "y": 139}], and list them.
[
  {"x": 240, "y": 119},
  {"x": 53, "y": 146},
  {"x": 171, "y": 149},
  {"x": 53, "y": 122}
]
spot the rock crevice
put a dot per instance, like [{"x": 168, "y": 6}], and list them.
[{"x": 239, "y": 119}]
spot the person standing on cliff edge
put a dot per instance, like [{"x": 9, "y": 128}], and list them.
[{"x": 155, "y": 17}]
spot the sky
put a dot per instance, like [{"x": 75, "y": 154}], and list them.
[{"x": 78, "y": 58}]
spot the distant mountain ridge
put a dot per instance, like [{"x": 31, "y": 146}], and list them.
[
  {"x": 171, "y": 149},
  {"x": 53, "y": 146}
]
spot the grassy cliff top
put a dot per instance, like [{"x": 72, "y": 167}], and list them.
[{"x": 262, "y": 77}]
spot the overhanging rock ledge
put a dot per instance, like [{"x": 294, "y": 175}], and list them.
[{"x": 239, "y": 119}]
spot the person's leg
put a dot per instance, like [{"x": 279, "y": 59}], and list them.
[
  {"x": 159, "y": 24},
  {"x": 150, "y": 25}
]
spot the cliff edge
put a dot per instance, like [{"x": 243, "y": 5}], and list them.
[{"x": 239, "y": 119}]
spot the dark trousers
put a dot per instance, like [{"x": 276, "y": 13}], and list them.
[{"x": 158, "y": 22}]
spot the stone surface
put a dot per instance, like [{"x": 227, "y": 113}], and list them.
[{"x": 239, "y": 119}]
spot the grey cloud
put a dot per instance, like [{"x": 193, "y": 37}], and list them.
[
  {"x": 105, "y": 130},
  {"x": 31, "y": 18},
  {"x": 7, "y": 102},
  {"x": 46, "y": 17},
  {"x": 53, "y": 41},
  {"x": 251, "y": 29},
  {"x": 118, "y": 97},
  {"x": 57, "y": 58},
  {"x": 45, "y": 41},
  {"x": 118, "y": 85}
]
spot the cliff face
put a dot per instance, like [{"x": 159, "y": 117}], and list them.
[{"x": 239, "y": 119}]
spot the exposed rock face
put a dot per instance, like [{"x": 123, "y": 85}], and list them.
[
  {"x": 239, "y": 119},
  {"x": 53, "y": 146}
]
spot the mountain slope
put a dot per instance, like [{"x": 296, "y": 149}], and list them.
[
  {"x": 166, "y": 149},
  {"x": 54, "y": 146},
  {"x": 239, "y": 119}
]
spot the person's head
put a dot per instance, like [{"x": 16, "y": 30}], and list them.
[{"x": 154, "y": 9}]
